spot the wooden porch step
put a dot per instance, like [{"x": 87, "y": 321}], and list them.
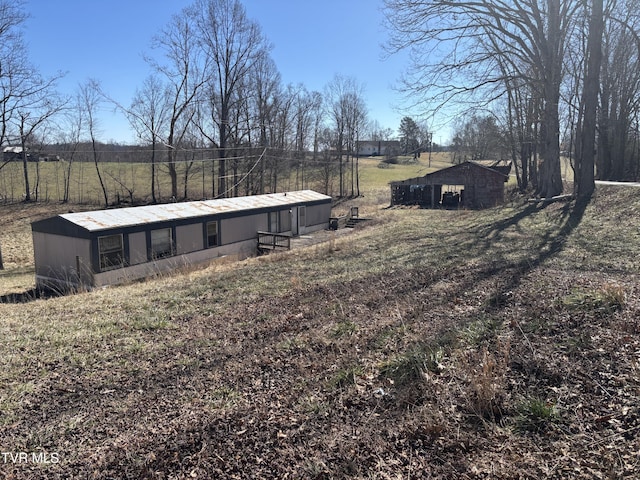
[{"x": 353, "y": 221}]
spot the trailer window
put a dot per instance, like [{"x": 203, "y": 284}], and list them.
[
  {"x": 161, "y": 243},
  {"x": 212, "y": 234},
  {"x": 111, "y": 251}
]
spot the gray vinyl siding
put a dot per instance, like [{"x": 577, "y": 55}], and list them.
[
  {"x": 58, "y": 256},
  {"x": 137, "y": 248},
  {"x": 189, "y": 238},
  {"x": 317, "y": 214},
  {"x": 237, "y": 229},
  {"x": 285, "y": 220}
]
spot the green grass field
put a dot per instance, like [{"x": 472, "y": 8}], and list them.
[
  {"x": 500, "y": 343},
  {"x": 126, "y": 180},
  {"x": 121, "y": 181}
]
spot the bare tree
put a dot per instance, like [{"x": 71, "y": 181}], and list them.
[
  {"x": 306, "y": 106},
  {"x": 327, "y": 166},
  {"x": 619, "y": 94},
  {"x": 356, "y": 121},
  {"x": 282, "y": 133},
  {"x": 479, "y": 138},
  {"x": 266, "y": 83},
  {"x": 27, "y": 99},
  {"x": 36, "y": 104},
  {"x": 14, "y": 71},
  {"x": 376, "y": 133},
  {"x": 182, "y": 69},
  {"x": 584, "y": 182},
  {"x": 232, "y": 45},
  {"x": 91, "y": 98},
  {"x": 188, "y": 154},
  {"x": 521, "y": 132},
  {"x": 318, "y": 114},
  {"x": 70, "y": 136},
  {"x": 148, "y": 115},
  {"x": 527, "y": 36},
  {"x": 347, "y": 112}
]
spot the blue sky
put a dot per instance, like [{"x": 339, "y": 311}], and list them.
[{"x": 312, "y": 42}]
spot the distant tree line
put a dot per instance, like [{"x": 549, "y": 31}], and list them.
[
  {"x": 213, "y": 99},
  {"x": 538, "y": 79}
]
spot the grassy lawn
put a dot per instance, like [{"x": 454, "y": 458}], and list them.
[
  {"x": 500, "y": 343},
  {"x": 123, "y": 180}
]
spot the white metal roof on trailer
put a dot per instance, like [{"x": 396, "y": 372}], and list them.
[{"x": 125, "y": 217}]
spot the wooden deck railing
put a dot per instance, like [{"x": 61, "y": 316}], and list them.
[
  {"x": 273, "y": 241},
  {"x": 343, "y": 221}
]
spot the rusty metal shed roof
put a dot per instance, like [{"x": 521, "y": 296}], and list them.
[{"x": 125, "y": 217}]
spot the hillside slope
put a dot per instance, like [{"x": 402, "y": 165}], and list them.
[{"x": 427, "y": 344}]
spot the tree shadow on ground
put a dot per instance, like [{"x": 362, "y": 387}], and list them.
[
  {"x": 521, "y": 256},
  {"x": 492, "y": 279}
]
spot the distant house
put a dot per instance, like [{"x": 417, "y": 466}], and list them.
[
  {"x": 367, "y": 148},
  {"x": 14, "y": 154},
  {"x": 106, "y": 247},
  {"x": 468, "y": 184}
]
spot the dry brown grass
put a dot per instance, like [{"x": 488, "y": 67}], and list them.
[{"x": 426, "y": 344}]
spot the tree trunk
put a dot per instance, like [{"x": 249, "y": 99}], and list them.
[
  {"x": 222, "y": 172},
  {"x": 95, "y": 161},
  {"x": 67, "y": 181},
  {"x": 173, "y": 172},
  {"x": 25, "y": 169},
  {"x": 550, "y": 183},
  {"x": 223, "y": 130},
  {"x": 153, "y": 171},
  {"x": 584, "y": 183}
]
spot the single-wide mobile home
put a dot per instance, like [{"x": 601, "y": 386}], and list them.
[{"x": 106, "y": 247}]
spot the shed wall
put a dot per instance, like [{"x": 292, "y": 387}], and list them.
[{"x": 483, "y": 187}]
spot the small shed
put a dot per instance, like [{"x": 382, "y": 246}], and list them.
[
  {"x": 468, "y": 184},
  {"x": 106, "y": 247}
]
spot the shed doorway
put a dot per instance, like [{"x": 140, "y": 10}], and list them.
[{"x": 452, "y": 196}]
